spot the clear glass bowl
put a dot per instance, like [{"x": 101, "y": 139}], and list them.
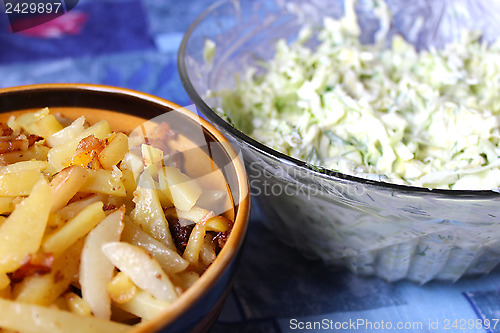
[{"x": 373, "y": 228}]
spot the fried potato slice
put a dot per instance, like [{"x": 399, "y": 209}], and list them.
[
  {"x": 196, "y": 239},
  {"x": 10, "y": 186},
  {"x": 35, "y": 152},
  {"x": 168, "y": 259},
  {"x": 22, "y": 232},
  {"x": 39, "y": 319},
  {"x": 27, "y": 119},
  {"x": 144, "y": 305},
  {"x": 74, "y": 229},
  {"x": 114, "y": 152},
  {"x": 105, "y": 182},
  {"x": 148, "y": 213},
  {"x": 45, "y": 289},
  {"x": 95, "y": 268},
  {"x": 67, "y": 133},
  {"x": 65, "y": 185},
  {"x": 183, "y": 190},
  {"x": 142, "y": 268},
  {"x": 46, "y": 126}
]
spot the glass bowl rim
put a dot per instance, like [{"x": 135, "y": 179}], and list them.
[{"x": 316, "y": 171}]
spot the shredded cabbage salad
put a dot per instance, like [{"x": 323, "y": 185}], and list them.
[{"x": 423, "y": 118}]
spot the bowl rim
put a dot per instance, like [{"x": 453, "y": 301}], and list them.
[
  {"x": 234, "y": 242},
  {"x": 269, "y": 152}
]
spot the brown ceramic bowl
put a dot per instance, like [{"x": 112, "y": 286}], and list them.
[{"x": 198, "y": 307}]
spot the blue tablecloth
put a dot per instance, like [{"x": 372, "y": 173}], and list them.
[{"x": 133, "y": 44}]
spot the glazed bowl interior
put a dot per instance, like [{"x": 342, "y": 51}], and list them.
[
  {"x": 125, "y": 110},
  {"x": 369, "y": 226}
]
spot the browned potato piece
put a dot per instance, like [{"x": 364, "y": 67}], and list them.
[{"x": 65, "y": 185}]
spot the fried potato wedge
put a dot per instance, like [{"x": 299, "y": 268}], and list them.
[{"x": 21, "y": 233}]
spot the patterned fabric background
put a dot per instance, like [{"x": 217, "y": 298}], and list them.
[{"x": 133, "y": 44}]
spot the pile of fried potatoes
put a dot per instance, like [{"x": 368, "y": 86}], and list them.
[{"x": 100, "y": 230}]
